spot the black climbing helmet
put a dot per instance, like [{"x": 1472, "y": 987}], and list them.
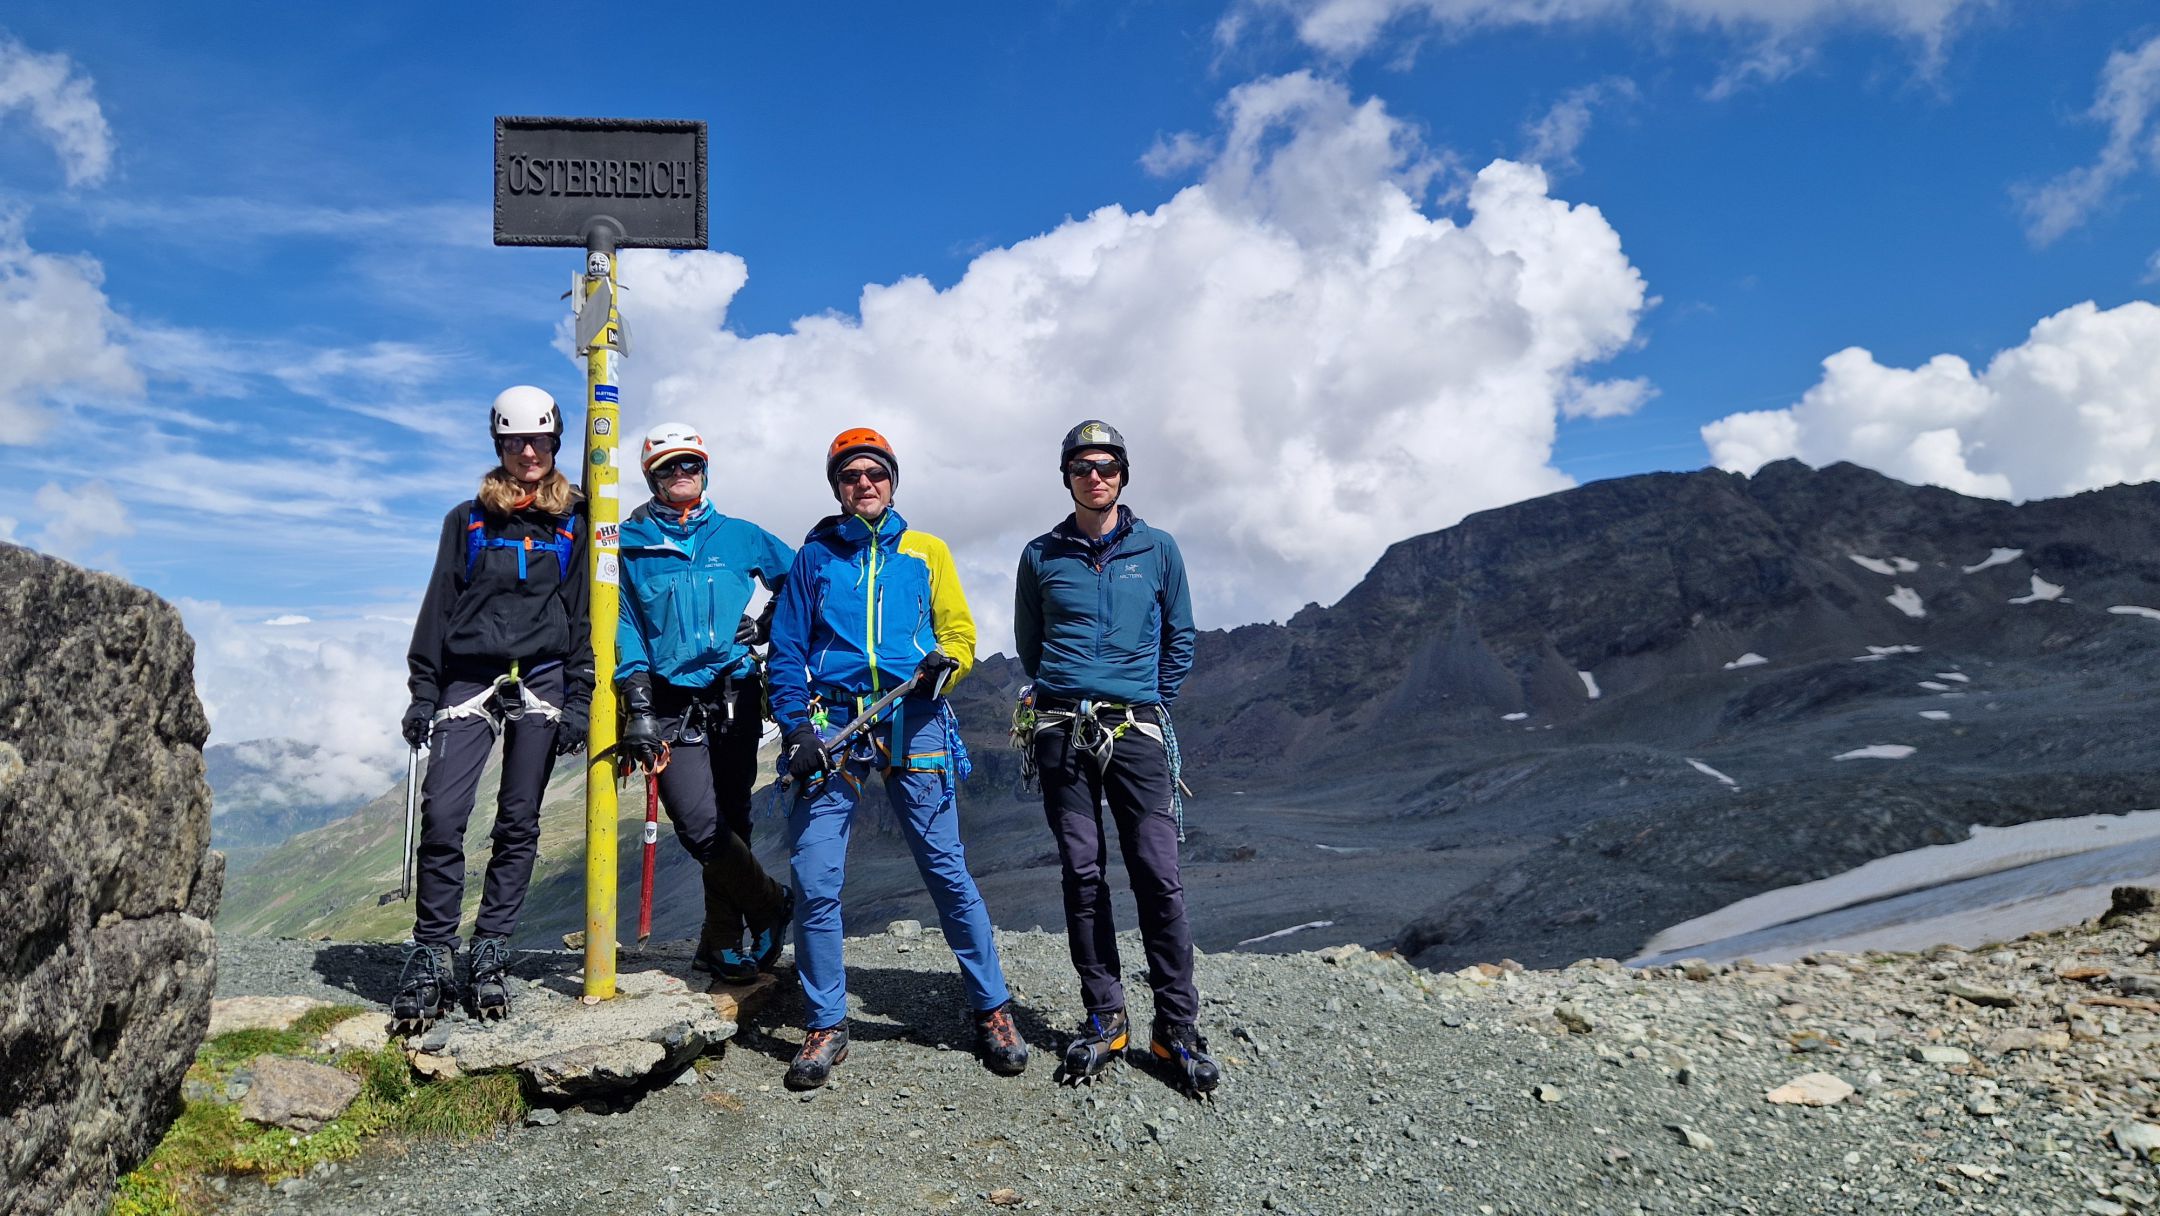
[{"x": 1095, "y": 433}]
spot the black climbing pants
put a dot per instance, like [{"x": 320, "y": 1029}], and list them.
[
  {"x": 1136, "y": 785},
  {"x": 712, "y": 736},
  {"x": 458, "y": 752}
]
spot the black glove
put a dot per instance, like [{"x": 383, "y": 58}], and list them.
[
  {"x": 640, "y": 744},
  {"x": 570, "y": 730},
  {"x": 418, "y": 724},
  {"x": 934, "y": 673},
  {"x": 749, "y": 631},
  {"x": 805, "y": 753}
]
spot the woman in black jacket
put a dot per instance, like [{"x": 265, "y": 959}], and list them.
[{"x": 502, "y": 646}]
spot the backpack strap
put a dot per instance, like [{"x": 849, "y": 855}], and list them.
[{"x": 476, "y": 539}]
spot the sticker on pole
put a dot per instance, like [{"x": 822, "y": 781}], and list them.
[
  {"x": 605, "y": 570},
  {"x": 607, "y": 536},
  {"x": 557, "y": 177},
  {"x": 601, "y": 426},
  {"x": 606, "y": 392}
]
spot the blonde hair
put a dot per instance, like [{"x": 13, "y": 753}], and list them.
[{"x": 501, "y": 494}]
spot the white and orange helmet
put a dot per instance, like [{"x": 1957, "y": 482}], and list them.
[{"x": 666, "y": 442}]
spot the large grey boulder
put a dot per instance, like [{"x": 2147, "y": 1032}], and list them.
[{"x": 106, "y": 955}]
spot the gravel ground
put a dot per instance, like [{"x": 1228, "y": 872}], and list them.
[{"x": 1357, "y": 1084}]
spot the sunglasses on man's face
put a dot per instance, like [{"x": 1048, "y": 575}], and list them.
[
  {"x": 511, "y": 445},
  {"x": 1107, "y": 469},
  {"x": 682, "y": 466},
  {"x": 875, "y": 475}
]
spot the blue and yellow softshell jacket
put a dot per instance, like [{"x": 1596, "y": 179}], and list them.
[
  {"x": 1108, "y": 620},
  {"x": 686, "y": 580},
  {"x": 861, "y": 606}
]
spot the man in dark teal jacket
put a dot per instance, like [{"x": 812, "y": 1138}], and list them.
[{"x": 1104, "y": 624}]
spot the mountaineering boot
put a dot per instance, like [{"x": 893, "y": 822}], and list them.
[
  {"x": 1182, "y": 1047},
  {"x": 427, "y": 988},
  {"x": 822, "y": 1050},
  {"x": 1101, "y": 1038},
  {"x": 766, "y": 943},
  {"x": 487, "y": 963},
  {"x": 997, "y": 1040}
]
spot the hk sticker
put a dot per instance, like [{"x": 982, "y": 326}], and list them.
[
  {"x": 601, "y": 426},
  {"x": 607, "y": 535},
  {"x": 606, "y": 392}
]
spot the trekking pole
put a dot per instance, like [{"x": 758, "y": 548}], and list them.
[
  {"x": 652, "y": 848},
  {"x": 412, "y": 817},
  {"x": 863, "y": 721}
]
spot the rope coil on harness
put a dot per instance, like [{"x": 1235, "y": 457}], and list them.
[{"x": 1093, "y": 739}]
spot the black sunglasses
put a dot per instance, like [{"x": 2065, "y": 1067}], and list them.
[
  {"x": 873, "y": 475},
  {"x": 689, "y": 465},
  {"x": 1105, "y": 468},
  {"x": 511, "y": 445}
]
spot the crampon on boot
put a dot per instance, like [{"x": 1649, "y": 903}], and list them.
[
  {"x": 427, "y": 988},
  {"x": 822, "y": 1051},
  {"x": 997, "y": 1040},
  {"x": 1182, "y": 1048},
  {"x": 1102, "y": 1037},
  {"x": 487, "y": 962}
]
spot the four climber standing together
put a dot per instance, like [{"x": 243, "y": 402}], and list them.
[{"x": 866, "y": 631}]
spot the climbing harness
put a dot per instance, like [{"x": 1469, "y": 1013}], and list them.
[
  {"x": 508, "y": 699},
  {"x": 1093, "y": 738}
]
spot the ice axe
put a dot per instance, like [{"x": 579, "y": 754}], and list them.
[
  {"x": 863, "y": 721},
  {"x": 412, "y": 817},
  {"x": 652, "y": 849}
]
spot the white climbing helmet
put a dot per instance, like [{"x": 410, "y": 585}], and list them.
[
  {"x": 522, "y": 409},
  {"x": 667, "y": 441}
]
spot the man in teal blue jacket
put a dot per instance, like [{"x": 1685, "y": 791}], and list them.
[
  {"x": 688, "y": 681},
  {"x": 869, "y": 603},
  {"x": 1104, "y": 624}
]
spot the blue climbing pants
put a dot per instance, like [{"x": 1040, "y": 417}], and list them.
[{"x": 921, "y": 790}]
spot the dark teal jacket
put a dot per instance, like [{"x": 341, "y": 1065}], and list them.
[{"x": 1107, "y": 620}]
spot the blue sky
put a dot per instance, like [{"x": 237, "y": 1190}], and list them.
[{"x": 251, "y": 255}]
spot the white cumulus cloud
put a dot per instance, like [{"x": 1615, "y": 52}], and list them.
[
  {"x": 1308, "y": 366},
  {"x": 339, "y": 684},
  {"x": 2074, "y": 407},
  {"x": 2128, "y": 99},
  {"x": 62, "y": 105},
  {"x": 66, "y": 342},
  {"x": 1779, "y": 35}
]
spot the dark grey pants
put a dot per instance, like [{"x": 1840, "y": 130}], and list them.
[
  {"x": 1137, "y": 788},
  {"x": 705, "y": 788},
  {"x": 457, "y": 754}
]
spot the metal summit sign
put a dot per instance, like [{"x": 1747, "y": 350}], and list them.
[{"x": 554, "y": 177}]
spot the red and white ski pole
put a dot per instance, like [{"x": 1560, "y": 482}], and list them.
[{"x": 652, "y": 849}]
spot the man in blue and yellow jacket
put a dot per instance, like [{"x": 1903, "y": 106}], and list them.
[{"x": 868, "y": 604}]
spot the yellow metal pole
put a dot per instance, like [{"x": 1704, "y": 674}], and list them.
[{"x": 603, "y": 501}]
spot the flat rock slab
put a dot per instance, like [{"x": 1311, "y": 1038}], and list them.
[
  {"x": 1811, "y": 1089},
  {"x": 565, "y": 1048},
  {"x": 258, "y": 1013},
  {"x": 737, "y": 1001},
  {"x": 296, "y": 1094},
  {"x": 360, "y": 1032}
]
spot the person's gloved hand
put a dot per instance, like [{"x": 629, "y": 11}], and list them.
[
  {"x": 805, "y": 753},
  {"x": 570, "y": 730},
  {"x": 934, "y": 673},
  {"x": 640, "y": 745},
  {"x": 749, "y": 632},
  {"x": 418, "y": 724}
]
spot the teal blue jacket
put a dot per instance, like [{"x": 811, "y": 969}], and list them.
[
  {"x": 1108, "y": 620},
  {"x": 686, "y": 581}
]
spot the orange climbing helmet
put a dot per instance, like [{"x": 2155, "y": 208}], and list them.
[{"x": 860, "y": 441}]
